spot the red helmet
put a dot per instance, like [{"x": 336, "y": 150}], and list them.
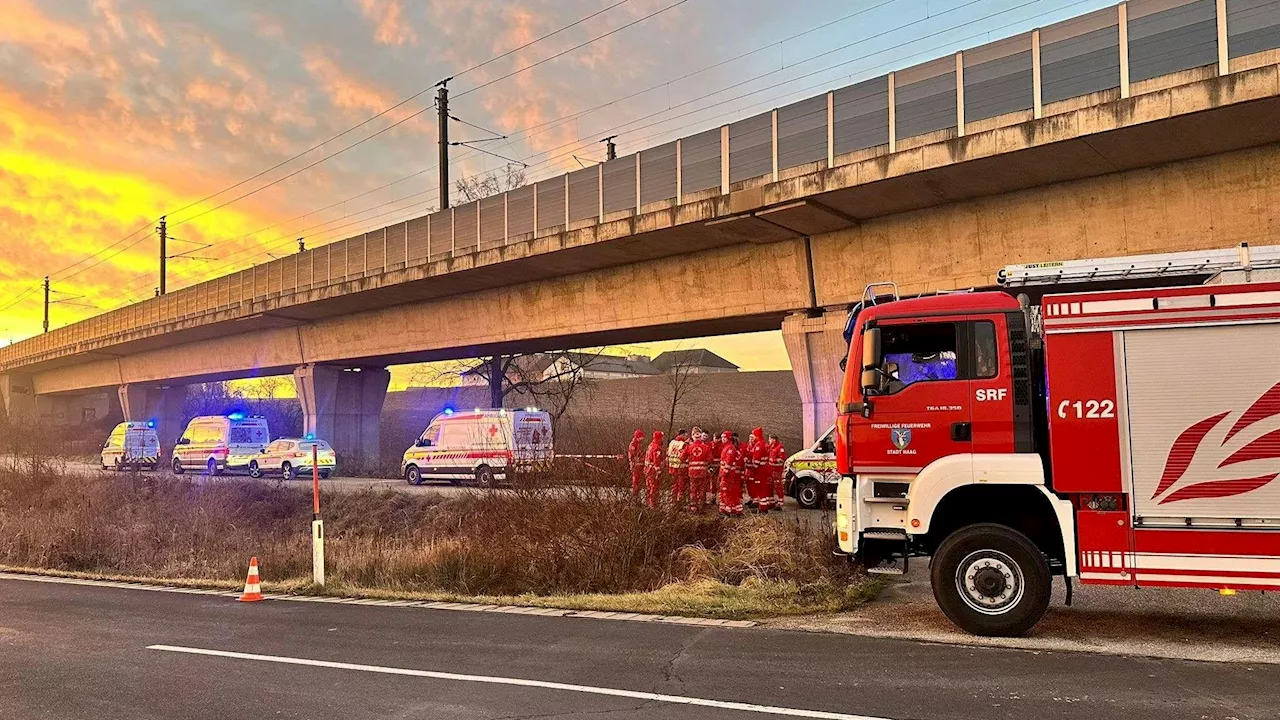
[
  {"x": 639, "y": 434},
  {"x": 658, "y": 435}
]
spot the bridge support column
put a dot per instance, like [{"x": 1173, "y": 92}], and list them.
[
  {"x": 815, "y": 346},
  {"x": 161, "y": 405},
  {"x": 344, "y": 407},
  {"x": 18, "y": 395}
]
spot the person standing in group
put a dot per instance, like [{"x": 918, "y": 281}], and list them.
[
  {"x": 756, "y": 457},
  {"x": 730, "y": 476},
  {"x": 713, "y": 467},
  {"x": 654, "y": 459},
  {"x": 777, "y": 463},
  {"x": 676, "y": 467},
  {"x": 635, "y": 458},
  {"x": 697, "y": 455}
]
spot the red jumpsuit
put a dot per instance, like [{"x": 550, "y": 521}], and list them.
[
  {"x": 654, "y": 459},
  {"x": 697, "y": 456},
  {"x": 759, "y": 486},
  {"x": 635, "y": 458},
  {"x": 730, "y": 479},
  {"x": 713, "y": 467},
  {"x": 777, "y": 463},
  {"x": 676, "y": 469}
]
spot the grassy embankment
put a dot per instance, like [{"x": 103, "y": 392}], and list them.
[{"x": 582, "y": 547}]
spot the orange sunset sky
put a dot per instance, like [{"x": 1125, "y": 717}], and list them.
[{"x": 114, "y": 112}]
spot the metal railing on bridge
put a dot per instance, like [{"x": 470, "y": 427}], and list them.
[{"x": 1109, "y": 54}]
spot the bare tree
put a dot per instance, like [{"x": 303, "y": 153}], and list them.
[
  {"x": 478, "y": 187},
  {"x": 266, "y": 388},
  {"x": 682, "y": 380}
]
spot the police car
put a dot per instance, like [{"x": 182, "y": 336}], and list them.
[
  {"x": 811, "y": 474},
  {"x": 291, "y": 457}
]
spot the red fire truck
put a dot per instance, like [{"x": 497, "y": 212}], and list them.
[{"x": 1133, "y": 440}]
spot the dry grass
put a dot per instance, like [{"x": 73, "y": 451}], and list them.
[{"x": 581, "y": 546}]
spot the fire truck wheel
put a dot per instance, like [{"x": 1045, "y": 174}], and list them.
[
  {"x": 809, "y": 495},
  {"x": 485, "y": 476},
  {"x": 991, "y": 580}
]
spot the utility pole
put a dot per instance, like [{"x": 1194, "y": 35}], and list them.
[
  {"x": 442, "y": 104},
  {"x": 610, "y": 149},
  {"x": 302, "y": 245},
  {"x": 46, "y": 303},
  {"x": 164, "y": 251}
]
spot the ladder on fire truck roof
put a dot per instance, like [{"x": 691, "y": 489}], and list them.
[{"x": 1134, "y": 267}]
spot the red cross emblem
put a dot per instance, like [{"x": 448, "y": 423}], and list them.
[{"x": 493, "y": 430}]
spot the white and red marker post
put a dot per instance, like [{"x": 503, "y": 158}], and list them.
[{"x": 317, "y": 525}]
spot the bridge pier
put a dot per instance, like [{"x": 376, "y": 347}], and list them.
[
  {"x": 815, "y": 346},
  {"x": 162, "y": 405},
  {"x": 18, "y": 395},
  {"x": 343, "y": 405}
]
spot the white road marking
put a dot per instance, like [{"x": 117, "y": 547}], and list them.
[{"x": 521, "y": 682}]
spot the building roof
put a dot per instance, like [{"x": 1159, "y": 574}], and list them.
[{"x": 697, "y": 357}]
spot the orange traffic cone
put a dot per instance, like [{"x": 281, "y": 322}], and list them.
[{"x": 252, "y": 590}]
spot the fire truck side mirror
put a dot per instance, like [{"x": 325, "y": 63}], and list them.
[{"x": 870, "y": 349}]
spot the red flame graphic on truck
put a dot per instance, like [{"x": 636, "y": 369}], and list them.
[{"x": 1185, "y": 448}]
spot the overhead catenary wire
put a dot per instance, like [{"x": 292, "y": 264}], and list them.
[
  {"x": 789, "y": 81},
  {"x": 383, "y": 113},
  {"x": 549, "y": 123}
]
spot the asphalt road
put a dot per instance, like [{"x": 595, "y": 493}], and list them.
[{"x": 74, "y": 652}]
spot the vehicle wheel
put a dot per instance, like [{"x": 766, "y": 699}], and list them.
[
  {"x": 286, "y": 471},
  {"x": 810, "y": 494},
  {"x": 485, "y": 477},
  {"x": 324, "y": 474},
  {"x": 155, "y": 467},
  {"x": 254, "y": 470},
  {"x": 177, "y": 466},
  {"x": 991, "y": 580},
  {"x": 413, "y": 475},
  {"x": 211, "y": 467},
  {"x": 119, "y": 466}
]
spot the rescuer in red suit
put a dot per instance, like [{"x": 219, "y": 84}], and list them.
[
  {"x": 713, "y": 466},
  {"x": 676, "y": 468},
  {"x": 635, "y": 458},
  {"x": 777, "y": 463},
  {"x": 697, "y": 456},
  {"x": 654, "y": 459},
  {"x": 756, "y": 458},
  {"x": 730, "y": 476}
]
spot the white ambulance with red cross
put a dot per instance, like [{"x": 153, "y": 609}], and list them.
[{"x": 487, "y": 446}]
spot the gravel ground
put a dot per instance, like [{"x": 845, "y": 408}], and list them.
[{"x": 1183, "y": 624}]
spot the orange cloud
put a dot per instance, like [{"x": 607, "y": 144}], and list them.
[{"x": 390, "y": 27}]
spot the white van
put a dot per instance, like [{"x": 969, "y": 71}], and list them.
[
  {"x": 218, "y": 444},
  {"x": 485, "y": 445},
  {"x": 132, "y": 445},
  {"x": 811, "y": 474}
]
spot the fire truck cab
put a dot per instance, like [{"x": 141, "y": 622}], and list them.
[{"x": 1134, "y": 441}]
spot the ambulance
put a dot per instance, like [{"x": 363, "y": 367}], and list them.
[
  {"x": 132, "y": 445},
  {"x": 487, "y": 446},
  {"x": 220, "y": 443},
  {"x": 811, "y": 475}
]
